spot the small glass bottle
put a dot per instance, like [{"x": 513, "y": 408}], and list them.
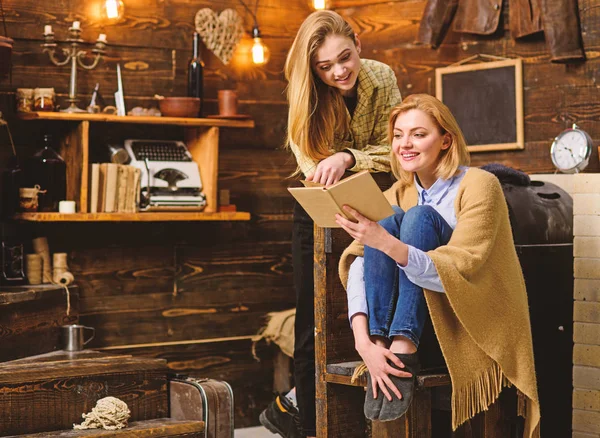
[
  {"x": 47, "y": 169},
  {"x": 196, "y": 73}
]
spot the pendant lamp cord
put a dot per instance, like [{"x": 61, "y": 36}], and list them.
[{"x": 253, "y": 14}]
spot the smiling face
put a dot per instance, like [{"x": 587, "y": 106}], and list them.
[
  {"x": 417, "y": 143},
  {"x": 336, "y": 63}
]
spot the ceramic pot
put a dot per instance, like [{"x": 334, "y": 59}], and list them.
[{"x": 227, "y": 103}]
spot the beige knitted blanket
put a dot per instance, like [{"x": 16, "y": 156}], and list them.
[{"x": 482, "y": 321}]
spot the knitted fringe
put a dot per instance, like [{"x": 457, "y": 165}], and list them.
[{"x": 477, "y": 395}]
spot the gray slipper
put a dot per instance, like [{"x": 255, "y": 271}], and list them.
[
  {"x": 391, "y": 410},
  {"x": 372, "y": 405}
]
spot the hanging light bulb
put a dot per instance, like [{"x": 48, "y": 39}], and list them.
[
  {"x": 260, "y": 52},
  {"x": 113, "y": 9},
  {"x": 319, "y": 4}
]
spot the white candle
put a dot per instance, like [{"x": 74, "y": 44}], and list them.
[
  {"x": 76, "y": 25},
  {"x": 102, "y": 37},
  {"x": 47, "y": 29}
]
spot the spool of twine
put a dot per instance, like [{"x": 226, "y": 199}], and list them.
[
  {"x": 66, "y": 278},
  {"x": 59, "y": 260},
  {"x": 40, "y": 246},
  {"x": 33, "y": 268}
]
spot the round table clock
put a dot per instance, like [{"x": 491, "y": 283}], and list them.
[{"x": 571, "y": 150}]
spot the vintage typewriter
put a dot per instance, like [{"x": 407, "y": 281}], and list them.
[{"x": 170, "y": 178}]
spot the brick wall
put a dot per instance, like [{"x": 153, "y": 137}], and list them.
[
  {"x": 585, "y": 190},
  {"x": 586, "y": 317}
]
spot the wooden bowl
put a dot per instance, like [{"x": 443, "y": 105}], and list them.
[{"x": 179, "y": 106}]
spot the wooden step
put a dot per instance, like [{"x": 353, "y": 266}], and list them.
[
  {"x": 31, "y": 316},
  {"x": 341, "y": 373},
  {"x": 51, "y": 391},
  {"x": 160, "y": 427}
]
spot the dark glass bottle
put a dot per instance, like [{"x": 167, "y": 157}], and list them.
[
  {"x": 196, "y": 73},
  {"x": 47, "y": 169}
]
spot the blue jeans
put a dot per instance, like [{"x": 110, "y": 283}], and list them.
[{"x": 397, "y": 307}]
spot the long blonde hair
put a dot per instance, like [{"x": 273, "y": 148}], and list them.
[
  {"x": 317, "y": 111},
  {"x": 451, "y": 158}
]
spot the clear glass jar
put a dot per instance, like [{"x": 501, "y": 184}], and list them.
[
  {"x": 24, "y": 100},
  {"x": 43, "y": 99}
]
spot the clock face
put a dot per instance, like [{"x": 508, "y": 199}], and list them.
[{"x": 571, "y": 150}]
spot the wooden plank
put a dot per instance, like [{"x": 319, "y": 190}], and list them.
[
  {"x": 131, "y": 295},
  {"x": 135, "y": 429},
  {"x": 74, "y": 149},
  {"x": 30, "y": 319},
  {"x": 344, "y": 419},
  {"x": 40, "y": 403},
  {"x": 385, "y": 24},
  {"x": 147, "y": 71},
  {"x": 69, "y": 366},
  {"x": 155, "y": 24},
  {"x": 171, "y": 216},
  {"x": 257, "y": 180},
  {"x": 179, "y": 121},
  {"x": 204, "y": 147}
]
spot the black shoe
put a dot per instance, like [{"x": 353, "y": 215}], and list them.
[{"x": 282, "y": 417}]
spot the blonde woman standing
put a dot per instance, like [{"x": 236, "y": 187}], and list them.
[{"x": 339, "y": 106}]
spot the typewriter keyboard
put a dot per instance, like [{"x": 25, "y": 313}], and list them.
[{"x": 160, "y": 151}]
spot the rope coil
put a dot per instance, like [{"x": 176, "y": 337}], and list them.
[{"x": 110, "y": 413}]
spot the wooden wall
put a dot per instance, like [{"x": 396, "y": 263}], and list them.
[
  {"x": 555, "y": 95},
  {"x": 194, "y": 293}
]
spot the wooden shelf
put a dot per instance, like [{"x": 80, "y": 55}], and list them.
[
  {"x": 149, "y": 120},
  {"x": 171, "y": 216}
]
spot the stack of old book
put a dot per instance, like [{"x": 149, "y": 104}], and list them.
[{"x": 114, "y": 188}]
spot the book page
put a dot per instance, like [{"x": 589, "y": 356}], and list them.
[
  {"x": 94, "y": 187},
  {"x": 318, "y": 204},
  {"x": 362, "y": 193},
  {"x": 311, "y": 184}
]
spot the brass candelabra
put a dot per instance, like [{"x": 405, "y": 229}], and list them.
[{"x": 73, "y": 55}]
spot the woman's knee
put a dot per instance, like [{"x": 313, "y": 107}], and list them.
[
  {"x": 417, "y": 220},
  {"x": 392, "y": 223}
]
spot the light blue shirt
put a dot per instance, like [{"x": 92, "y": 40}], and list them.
[{"x": 420, "y": 268}]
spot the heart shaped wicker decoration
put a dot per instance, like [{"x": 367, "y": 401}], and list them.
[{"x": 220, "y": 32}]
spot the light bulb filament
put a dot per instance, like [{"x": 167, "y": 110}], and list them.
[
  {"x": 319, "y": 4},
  {"x": 258, "y": 51},
  {"x": 113, "y": 9}
]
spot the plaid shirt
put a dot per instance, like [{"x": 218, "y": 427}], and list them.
[{"x": 367, "y": 141}]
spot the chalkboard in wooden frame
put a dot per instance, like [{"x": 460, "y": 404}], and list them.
[{"x": 487, "y": 100}]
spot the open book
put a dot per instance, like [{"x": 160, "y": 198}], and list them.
[{"x": 359, "y": 191}]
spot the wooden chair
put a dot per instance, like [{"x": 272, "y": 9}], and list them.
[{"x": 340, "y": 402}]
